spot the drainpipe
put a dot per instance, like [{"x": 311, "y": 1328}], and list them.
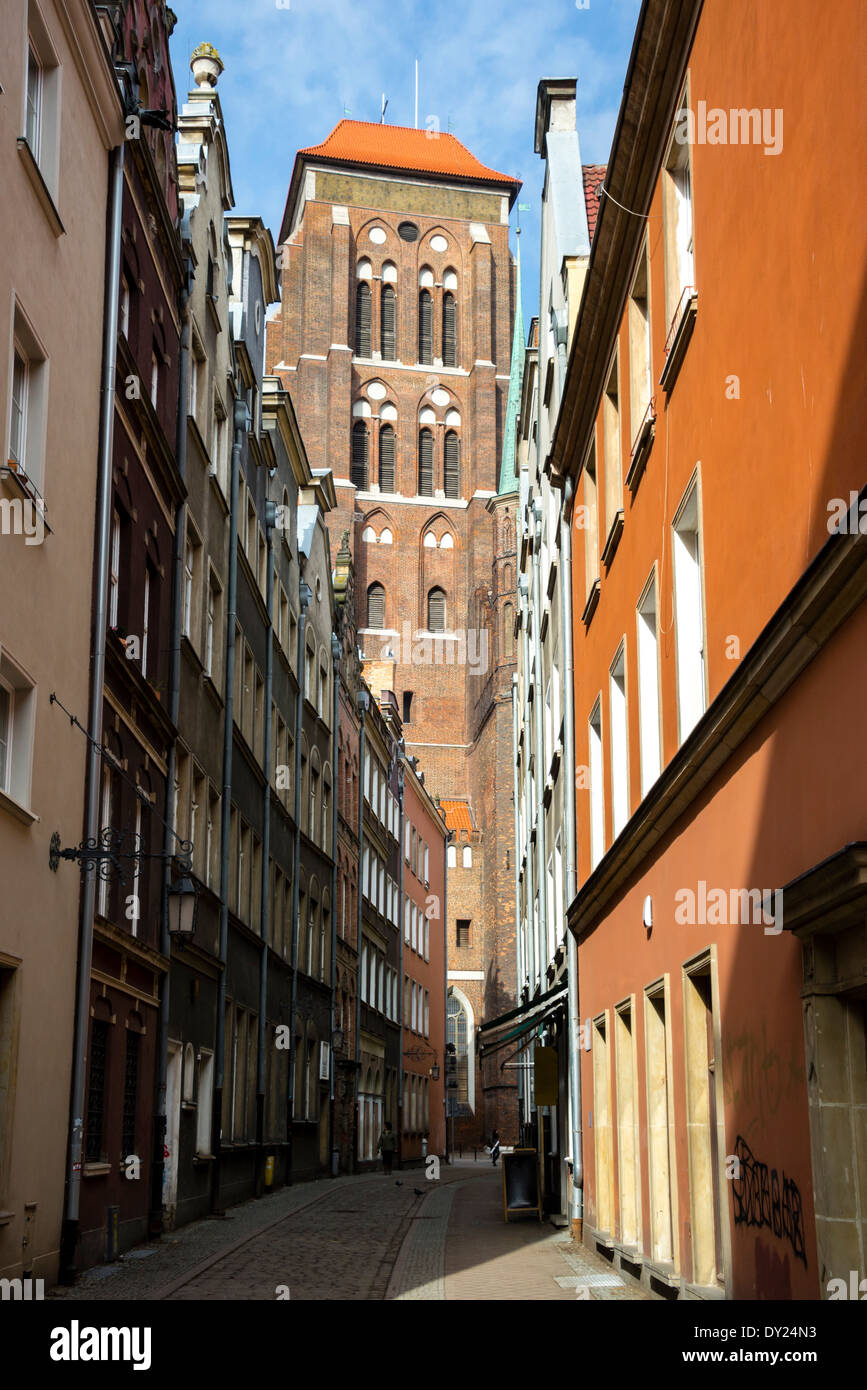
[
  {"x": 335, "y": 717},
  {"x": 305, "y": 593},
  {"x": 363, "y": 702},
  {"x": 401, "y": 793},
  {"x": 72, "y": 1202},
  {"x": 530, "y": 935},
  {"x": 265, "y": 893},
  {"x": 541, "y": 770},
  {"x": 571, "y": 865},
  {"x": 445, "y": 920},
  {"x": 519, "y": 934},
  {"x": 239, "y": 427},
  {"x": 160, "y": 1117}
]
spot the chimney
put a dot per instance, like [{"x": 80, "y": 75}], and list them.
[{"x": 555, "y": 109}]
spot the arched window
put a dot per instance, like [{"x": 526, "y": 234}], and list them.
[
  {"x": 453, "y": 465},
  {"x": 450, "y": 331},
  {"x": 388, "y": 319},
  {"x": 376, "y": 606},
  {"x": 425, "y": 327},
  {"x": 360, "y": 453},
  {"x": 425, "y": 464},
  {"x": 362, "y": 319},
  {"x": 456, "y": 1034},
  {"x": 386, "y": 458},
  {"x": 508, "y": 630},
  {"x": 436, "y": 610}
]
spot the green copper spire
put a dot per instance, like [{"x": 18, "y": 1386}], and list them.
[{"x": 508, "y": 475}]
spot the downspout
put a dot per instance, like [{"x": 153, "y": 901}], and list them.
[
  {"x": 571, "y": 865},
  {"x": 335, "y": 773},
  {"x": 519, "y": 933},
  {"x": 401, "y": 793},
  {"x": 363, "y": 700},
  {"x": 160, "y": 1118},
  {"x": 102, "y": 539},
  {"x": 305, "y": 593},
  {"x": 541, "y": 770},
  {"x": 531, "y": 886},
  {"x": 445, "y": 966},
  {"x": 239, "y": 426},
  {"x": 265, "y": 894}
]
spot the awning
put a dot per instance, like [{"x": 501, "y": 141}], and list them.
[{"x": 500, "y": 1032}]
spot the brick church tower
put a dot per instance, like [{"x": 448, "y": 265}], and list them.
[{"x": 394, "y": 339}]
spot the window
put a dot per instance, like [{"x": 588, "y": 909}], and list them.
[
  {"x": 18, "y": 431},
  {"x": 407, "y": 706},
  {"x": 591, "y": 525},
  {"x": 93, "y": 1149},
  {"x": 450, "y": 349},
  {"x": 462, "y": 932},
  {"x": 189, "y": 581},
  {"x": 602, "y": 1125},
  {"x": 386, "y": 459},
  {"x": 639, "y": 347},
  {"x": 467, "y": 857},
  {"x": 41, "y": 104},
  {"x": 678, "y": 217},
  {"x": 211, "y": 623},
  {"x": 360, "y": 455},
  {"x": 452, "y": 465},
  {"x": 425, "y": 464},
  {"x": 130, "y": 1094},
  {"x": 28, "y": 402},
  {"x": 436, "y": 611},
  {"x": 204, "y": 1097},
  {"x": 114, "y": 570},
  {"x": 388, "y": 318},
  {"x": 451, "y": 857},
  {"x": 362, "y": 319},
  {"x": 155, "y": 378},
  {"x": 688, "y": 618},
  {"x": 597, "y": 802},
  {"x": 660, "y": 1138},
  {"x": 457, "y": 1035},
  {"x": 619, "y": 745},
  {"x": 611, "y": 426},
  {"x": 376, "y": 606},
  {"x": 425, "y": 327},
  {"x": 34, "y": 101},
  {"x": 648, "y": 687}
]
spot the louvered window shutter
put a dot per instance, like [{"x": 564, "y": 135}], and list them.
[
  {"x": 376, "y": 606},
  {"x": 436, "y": 611},
  {"x": 453, "y": 465},
  {"x": 362, "y": 320},
  {"x": 425, "y": 464},
  {"x": 450, "y": 329},
  {"x": 386, "y": 458},
  {"x": 425, "y": 327},
  {"x": 359, "y": 455},
  {"x": 388, "y": 320}
]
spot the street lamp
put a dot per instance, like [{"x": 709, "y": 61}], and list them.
[{"x": 183, "y": 907}]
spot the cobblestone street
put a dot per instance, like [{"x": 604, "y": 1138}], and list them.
[{"x": 363, "y": 1238}]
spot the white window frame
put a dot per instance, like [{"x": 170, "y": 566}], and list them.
[
  {"x": 689, "y": 617},
  {"x": 597, "y": 785},
  {"x": 650, "y": 734},
  {"x": 618, "y": 729}
]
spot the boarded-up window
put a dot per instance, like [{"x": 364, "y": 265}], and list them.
[
  {"x": 425, "y": 327},
  {"x": 362, "y": 320},
  {"x": 450, "y": 331},
  {"x": 376, "y": 606},
  {"x": 360, "y": 448},
  {"x": 453, "y": 465},
  {"x": 387, "y": 345},
  {"x": 425, "y": 464},
  {"x": 436, "y": 610},
  {"x": 386, "y": 458}
]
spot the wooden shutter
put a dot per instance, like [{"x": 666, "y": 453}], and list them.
[
  {"x": 453, "y": 465},
  {"x": 425, "y": 464},
  {"x": 362, "y": 320},
  {"x": 387, "y": 345},
  {"x": 359, "y": 455},
  {"x": 425, "y": 327},
  {"x": 450, "y": 330},
  {"x": 436, "y": 611},
  {"x": 386, "y": 458},
  {"x": 376, "y": 606}
]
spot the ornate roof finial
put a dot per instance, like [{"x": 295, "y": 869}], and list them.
[{"x": 206, "y": 66}]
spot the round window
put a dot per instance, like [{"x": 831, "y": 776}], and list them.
[
  {"x": 439, "y": 243},
  {"x": 377, "y": 235},
  {"x": 408, "y": 231}
]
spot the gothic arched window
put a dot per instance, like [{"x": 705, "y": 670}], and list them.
[
  {"x": 450, "y": 331},
  {"x": 360, "y": 454},
  {"x": 388, "y": 318},
  {"x": 425, "y": 327},
  {"x": 362, "y": 320},
  {"x": 386, "y": 458},
  {"x": 425, "y": 464},
  {"x": 452, "y": 465},
  {"x": 376, "y": 606},
  {"x": 436, "y": 610},
  {"x": 457, "y": 1035}
]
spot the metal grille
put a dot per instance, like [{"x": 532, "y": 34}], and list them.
[
  {"x": 425, "y": 327},
  {"x": 436, "y": 611},
  {"x": 450, "y": 339},
  {"x": 388, "y": 320},
  {"x": 386, "y": 458},
  {"x": 130, "y": 1093},
  {"x": 453, "y": 465},
  {"x": 425, "y": 464},
  {"x": 359, "y": 455},
  {"x": 93, "y": 1150},
  {"x": 376, "y": 606},
  {"x": 362, "y": 320}
]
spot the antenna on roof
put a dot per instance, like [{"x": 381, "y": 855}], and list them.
[
  {"x": 382, "y": 112},
  {"x": 416, "y": 93}
]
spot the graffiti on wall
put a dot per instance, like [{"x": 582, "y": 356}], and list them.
[
  {"x": 757, "y": 1077},
  {"x": 764, "y": 1198}
]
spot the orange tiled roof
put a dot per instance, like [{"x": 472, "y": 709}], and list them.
[
  {"x": 457, "y": 815},
  {"x": 593, "y": 175},
  {"x": 402, "y": 147}
]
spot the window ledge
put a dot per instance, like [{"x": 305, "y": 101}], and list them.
[
  {"x": 95, "y": 1170},
  {"x": 708, "y": 1292},
  {"x": 40, "y": 187},
  {"x": 613, "y": 539},
  {"x": 641, "y": 449},
  {"x": 6, "y": 1217},
  {"x": 592, "y": 603},
  {"x": 15, "y": 808},
  {"x": 678, "y": 337},
  {"x": 665, "y": 1273}
]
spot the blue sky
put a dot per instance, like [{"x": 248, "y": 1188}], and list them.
[{"x": 293, "y": 65}]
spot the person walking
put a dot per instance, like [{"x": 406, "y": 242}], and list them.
[
  {"x": 495, "y": 1147},
  {"x": 386, "y": 1146}
]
